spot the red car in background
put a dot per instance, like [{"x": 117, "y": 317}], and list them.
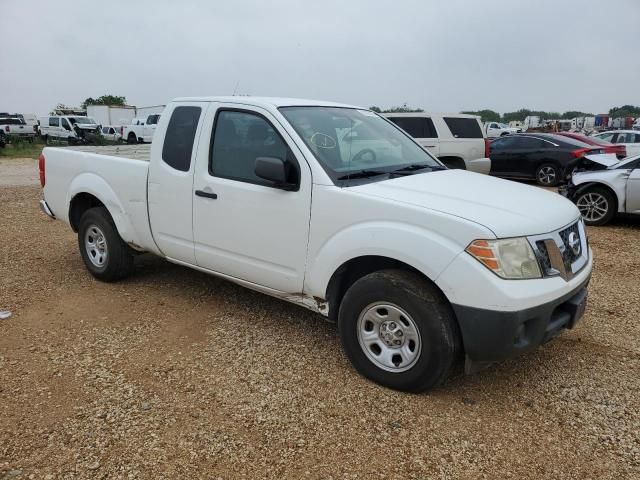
[{"x": 619, "y": 150}]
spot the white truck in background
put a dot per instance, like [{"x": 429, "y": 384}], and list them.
[
  {"x": 456, "y": 139},
  {"x": 420, "y": 265},
  {"x": 141, "y": 130},
  {"x": 496, "y": 129}
]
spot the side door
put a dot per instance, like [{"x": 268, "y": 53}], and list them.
[
  {"x": 633, "y": 190},
  {"x": 246, "y": 227},
  {"x": 493, "y": 130},
  {"x": 65, "y": 128},
  {"x": 502, "y": 155},
  {"x": 149, "y": 128},
  {"x": 170, "y": 181}
]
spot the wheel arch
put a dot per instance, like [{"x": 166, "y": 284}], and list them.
[
  {"x": 88, "y": 190},
  {"x": 605, "y": 186},
  {"x": 354, "y": 269},
  {"x": 455, "y": 161}
]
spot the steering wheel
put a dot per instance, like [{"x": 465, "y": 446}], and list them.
[{"x": 358, "y": 157}]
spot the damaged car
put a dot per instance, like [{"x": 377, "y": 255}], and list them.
[{"x": 602, "y": 187}]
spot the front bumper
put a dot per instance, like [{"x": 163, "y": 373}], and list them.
[{"x": 492, "y": 335}]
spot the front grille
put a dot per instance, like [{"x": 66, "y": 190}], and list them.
[
  {"x": 568, "y": 255},
  {"x": 562, "y": 260}
]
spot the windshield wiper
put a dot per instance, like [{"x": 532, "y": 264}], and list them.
[
  {"x": 414, "y": 167},
  {"x": 362, "y": 174}
]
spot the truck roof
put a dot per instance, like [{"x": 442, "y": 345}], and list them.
[{"x": 267, "y": 101}]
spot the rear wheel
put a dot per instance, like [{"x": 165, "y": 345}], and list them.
[
  {"x": 398, "y": 330},
  {"x": 548, "y": 175},
  {"x": 597, "y": 206},
  {"x": 104, "y": 253},
  {"x": 131, "y": 138}
]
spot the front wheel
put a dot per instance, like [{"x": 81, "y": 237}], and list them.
[
  {"x": 398, "y": 330},
  {"x": 548, "y": 175},
  {"x": 597, "y": 206},
  {"x": 104, "y": 253}
]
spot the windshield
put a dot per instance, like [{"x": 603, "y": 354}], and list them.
[
  {"x": 83, "y": 120},
  {"x": 347, "y": 141}
]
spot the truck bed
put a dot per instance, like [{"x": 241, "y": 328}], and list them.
[
  {"x": 117, "y": 175},
  {"x": 134, "y": 152}
]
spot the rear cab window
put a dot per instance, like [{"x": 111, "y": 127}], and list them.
[
  {"x": 464, "y": 127},
  {"x": 179, "y": 138}
]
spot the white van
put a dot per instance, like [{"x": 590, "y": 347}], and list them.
[
  {"x": 456, "y": 139},
  {"x": 73, "y": 128}
]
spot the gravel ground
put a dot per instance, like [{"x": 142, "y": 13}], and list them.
[{"x": 175, "y": 374}]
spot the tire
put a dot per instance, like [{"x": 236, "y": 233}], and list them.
[
  {"x": 45, "y": 138},
  {"x": 548, "y": 175},
  {"x": 597, "y": 206},
  {"x": 420, "y": 312},
  {"x": 104, "y": 253},
  {"x": 131, "y": 138}
]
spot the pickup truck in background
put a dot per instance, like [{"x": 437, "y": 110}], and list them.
[
  {"x": 420, "y": 265},
  {"x": 456, "y": 139},
  {"x": 141, "y": 130},
  {"x": 495, "y": 129},
  {"x": 13, "y": 127}
]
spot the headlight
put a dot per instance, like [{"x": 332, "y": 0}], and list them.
[{"x": 510, "y": 258}]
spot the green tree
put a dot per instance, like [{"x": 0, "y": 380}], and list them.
[
  {"x": 375, "y": 109},
  {"x": 625, "y": 111},
  {"x": 486, "y": 115},
  {"x": 105, "y": 100},
  {"x": 403, "y": 109}
]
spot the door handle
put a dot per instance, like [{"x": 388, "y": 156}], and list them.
[{"x": 202, "y": 193}]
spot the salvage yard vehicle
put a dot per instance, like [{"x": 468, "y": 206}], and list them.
[
  {"x": 546, "y": 158},
  {"x": 607, "y": 147},
  {"x": 629, "y": 138},
  {"x": 13, "y": 127},
  {"x": 495, "y": 129},
  {"x": 112, "y": 133},
  {"x": 73, "y": 128},
  {"x": 141, "y": 130},
  {"x": 602, "y": 186},
  {"x": 420, "y": 265},
  {"x": 456, "y": 139}
]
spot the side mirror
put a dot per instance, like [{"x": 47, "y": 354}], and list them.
[{"x": 274, "y": 170}]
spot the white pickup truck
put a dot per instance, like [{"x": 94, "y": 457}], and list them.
[
  {"x": 141, "y": 130},
  {"x": 420, "y": 265},
  {"x": 495, "y": 129}
]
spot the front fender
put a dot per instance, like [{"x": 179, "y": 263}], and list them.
[
  {"x": 95, "y": 185},
  {"x": 425, "y": 250},
  {"x": 615, "y": 179}
]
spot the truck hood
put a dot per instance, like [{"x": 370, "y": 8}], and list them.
[{"x": 507, "y": 208}]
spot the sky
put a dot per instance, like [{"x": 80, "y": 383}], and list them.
[{"x": 446, "y": 56}]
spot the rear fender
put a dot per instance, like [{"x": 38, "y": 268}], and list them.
[{"x": 99, "y": 188}]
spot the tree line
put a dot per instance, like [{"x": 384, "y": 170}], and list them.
[{"x": 520, "y": 115}]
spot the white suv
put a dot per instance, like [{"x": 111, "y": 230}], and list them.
[{"x": 458, "y": 140}]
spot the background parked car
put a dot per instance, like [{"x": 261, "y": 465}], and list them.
[
  {"x": 457, "y": 140},
  {"x": 112, "y": 133},
  {"x": 629, "y": 138},
  {"x": 546, "y": 158},
  {"x": 619, "y": 150},
  {"x": 605, "y": 187}
]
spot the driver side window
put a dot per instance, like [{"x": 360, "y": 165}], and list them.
[{"x": 239, "y": 138}]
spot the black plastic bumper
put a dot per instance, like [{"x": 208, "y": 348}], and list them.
[{"x": 490, "y": 336}]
